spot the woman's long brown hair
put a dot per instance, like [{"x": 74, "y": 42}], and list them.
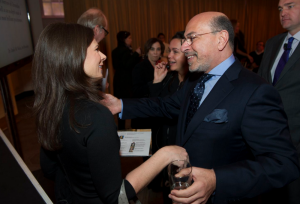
[{"x": 58, "y": 76}]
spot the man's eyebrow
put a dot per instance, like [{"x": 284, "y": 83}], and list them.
[
  {"x": 287, "y": 4},
  {"x": 191, "y": 33}
]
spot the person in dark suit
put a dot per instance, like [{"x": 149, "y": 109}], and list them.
[
  {"x": 286, "y": 77},
  {"x": 124, "y": 60},
  {"x": 235, "y": 130}
]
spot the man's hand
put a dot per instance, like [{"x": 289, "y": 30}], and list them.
[
  {"x": 199, "y": 192},
  {"x": 250, "y": 58},
  {"x": 112, "y": 103},
  {"x": 138, "y": 50}
]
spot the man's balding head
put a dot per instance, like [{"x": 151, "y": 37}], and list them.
[
  {"x": 94, "y": 18},
  {"x": 211, "y": 37}
]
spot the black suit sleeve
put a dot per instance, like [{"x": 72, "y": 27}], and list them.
[
  {"x": 168, "y": 106},
  {"x": 265, "y": 131}
]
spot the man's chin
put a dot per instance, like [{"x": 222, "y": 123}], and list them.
[
  {"x": 193, "y": 69},
  {"x": 198, "y": 69}
]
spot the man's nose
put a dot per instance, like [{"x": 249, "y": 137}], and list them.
[
  {"x": 184, "y": 47},
  {"x": 283, "y": 12}
]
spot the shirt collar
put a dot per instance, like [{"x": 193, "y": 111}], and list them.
[
  {"x": 296, "y": 36},
  {"x": 223, "y": 66}
]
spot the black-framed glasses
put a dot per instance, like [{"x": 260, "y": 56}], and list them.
[
  {"x": 189, "y": 39},
  {"x": 106, "y": 31}
]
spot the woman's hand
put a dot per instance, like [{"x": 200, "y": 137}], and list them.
[
  {"x": 174, "y": 152},
  {"x": 160, "y": 72}
]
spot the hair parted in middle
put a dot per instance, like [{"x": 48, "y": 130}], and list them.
[{"x": 150, "y": 42}]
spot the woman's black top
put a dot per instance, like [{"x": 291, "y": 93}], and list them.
[
  {"x": 90, "y": 155},
  {"x": 165, "y": 129},
  {"x": 142, "y": 76}
]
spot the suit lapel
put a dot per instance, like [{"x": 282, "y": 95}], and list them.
[
  {"x": 275, "y": 51},
  {"x": 295, "y": 56},
  {"x": 185, "y": 106},
  {"x": 222, "y": 88}
]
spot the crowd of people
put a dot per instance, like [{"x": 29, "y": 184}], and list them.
[{"x": 239, "y": 130}]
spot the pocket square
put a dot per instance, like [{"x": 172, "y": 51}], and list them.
[{"x": 217, "y": 116}]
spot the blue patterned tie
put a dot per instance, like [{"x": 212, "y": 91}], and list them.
[
  {"x": 283, "y": 60},
  {"x": 195, "y": 97}
]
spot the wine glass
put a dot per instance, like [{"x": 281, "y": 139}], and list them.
[{"x": 180, "y": 174}]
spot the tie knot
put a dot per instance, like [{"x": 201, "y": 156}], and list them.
[
  {"x": 288, "y": 46},
  {"x": 290, "y": 41},
  {"x": 205, "y": 77}
]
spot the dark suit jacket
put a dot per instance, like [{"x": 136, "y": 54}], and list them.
[
  {"x": 288, "y": 84},
  {"x": 251, "y": 153},
  {"x": 142, "y": 78},
  {"x": 124, "y": 60}
]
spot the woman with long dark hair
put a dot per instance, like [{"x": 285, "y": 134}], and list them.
[
  {"x": 78, "y": 135},
  {"x": 164, "y": 84}
]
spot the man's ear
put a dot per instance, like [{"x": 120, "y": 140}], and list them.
[
  {"x": 223, "y": 38},
  {"x": 97, "y": 29}
]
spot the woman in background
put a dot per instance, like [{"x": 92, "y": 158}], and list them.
[
  {"x": 124, "y": 60},
  {"x": 165, "y": 83},
  {"x": 142, "y": 76},
  {"x": 77, "y": 134}
]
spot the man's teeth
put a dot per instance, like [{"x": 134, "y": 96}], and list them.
[{"x": 189, "y": 57}]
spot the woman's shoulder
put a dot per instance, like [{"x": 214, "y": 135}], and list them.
[
  {"x": 144, "y": 64},
  {"x": 92, "y": 107},
  {"x": 93, "y": 115}
]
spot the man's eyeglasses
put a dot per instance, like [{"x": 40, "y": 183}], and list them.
[
  {"x": 189, "y": 39},
  {"x": 106, "y": 32}
]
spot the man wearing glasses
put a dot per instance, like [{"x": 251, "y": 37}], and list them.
[
  {"x": 230, "y": 121},
  {"x": 96, "y": 20}
]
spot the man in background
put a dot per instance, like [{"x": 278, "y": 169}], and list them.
[
  {"x": 257, "y": 56},
  {"x": 162, "y": 38},
  {"x": 280, "y": 66},
  {"x": 95, "y": 19}
]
